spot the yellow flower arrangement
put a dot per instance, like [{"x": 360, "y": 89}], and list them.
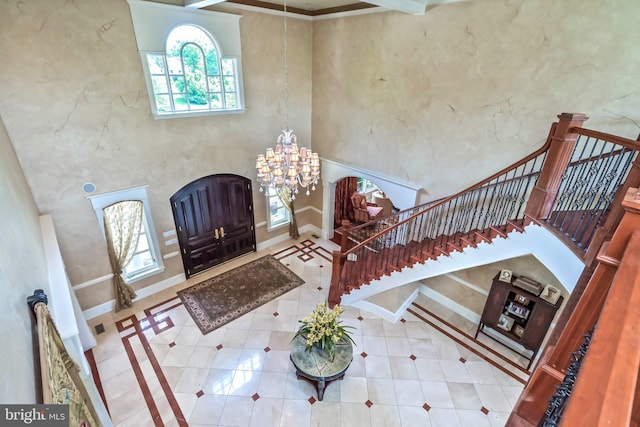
[{"x": 322, "y": 329}]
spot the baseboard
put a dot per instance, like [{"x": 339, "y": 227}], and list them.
[
  {"x": 142, "y": 293},
  {"x": 449, "y": 303},
  {"x": 108, "y": 306}
]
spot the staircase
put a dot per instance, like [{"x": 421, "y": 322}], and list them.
[{"x": 568, "y": 187}]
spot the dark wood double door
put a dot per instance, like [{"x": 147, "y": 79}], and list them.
[{"x": 214, "y": 221}]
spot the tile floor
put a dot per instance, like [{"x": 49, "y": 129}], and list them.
[{"x": 156, "y": 368}]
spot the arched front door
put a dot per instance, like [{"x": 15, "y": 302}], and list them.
[{"x": 214, "y": 221}]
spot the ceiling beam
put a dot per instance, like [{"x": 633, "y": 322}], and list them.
[
  {"x": 407, "y": 6},
  {"x": 199, "y": 4}
]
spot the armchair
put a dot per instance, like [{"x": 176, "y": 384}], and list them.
[{"x": 363, "y": 211}]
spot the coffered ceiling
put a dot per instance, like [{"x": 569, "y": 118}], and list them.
[{"x": 327, "y": 7}]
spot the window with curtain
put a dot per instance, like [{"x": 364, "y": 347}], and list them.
[
  {"x": 277, "y": 213},
  {"x": 146, "y": 258}
]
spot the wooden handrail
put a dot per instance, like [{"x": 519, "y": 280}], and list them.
[
  {"x": 620, "y": 140},
  {"x": 519, "y": 163},
  {"x": 605, "y": 391}
]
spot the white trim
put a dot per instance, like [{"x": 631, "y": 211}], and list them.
[
  {"x": 402, "y": 194},
  {"x": 153, "y": 22},
  {"x": 285, "y": 236},
  {"x": 449, "y": 303},
  {"x": 171, "y": 254},
  {"x": 109, "y": 306},
  {"x": 468, "y": 284},
  {"x": 92, "y": 282}
]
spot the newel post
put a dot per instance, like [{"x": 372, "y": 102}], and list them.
[
  {"x": 344, "y": 240},
  {"x": 336, "y": 271},
  {"x": 563, "y": 141}
]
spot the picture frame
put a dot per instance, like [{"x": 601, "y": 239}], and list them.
[
  {"x": 505, "y": 275},
  {"x": 518, "y": 310},
  {"x": 518, "y": 330},
  {"x": 521, "y": 299},
  {"x": 505, "y": 322},
  {"x": 550, "y": 294}
]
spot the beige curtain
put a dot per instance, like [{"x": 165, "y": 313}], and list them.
[
  {"x": 122, "y": 223},
  {"x": 285, "y": 197}
]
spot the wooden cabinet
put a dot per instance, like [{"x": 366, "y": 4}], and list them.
[{"x": 517, "y": 314}]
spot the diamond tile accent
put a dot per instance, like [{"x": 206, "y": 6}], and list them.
[
  {"x": 463, "y": 360},
  {"x": 360, "y": 318},
  {"x": 321, "y": 266},
  {"x": 172, "y": 344},
  {"x": 276, "y": 314},
  {"x": 368, "y": 403},
  {"x": 312, "y": 400},
  {"x": 267, "y": 349},
  {"x": 255, "y": 396},
  {"x": 319, "y": 288},
  {"x": 484, "y": 410},
  {"x": 412, "y": 357},
  {"x": 200, "y": 393},
  {"x": 426, "y": 407},
  {"x": 219, "y": 346},
  {"x": 363, "y": 354},
  {"x": 402, "y": 320}
]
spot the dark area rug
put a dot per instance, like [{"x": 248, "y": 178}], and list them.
[{"x": 226, "y": 297}]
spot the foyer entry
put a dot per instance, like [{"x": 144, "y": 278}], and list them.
[{"x": 214, "y": 221}]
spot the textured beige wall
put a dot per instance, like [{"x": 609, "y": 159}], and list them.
[
  {"x": 445, "y": 99},
  {"x": 22, "y": 269},
  {"x": 440, "y": 100},
  {"x": 75, "y": 104}
]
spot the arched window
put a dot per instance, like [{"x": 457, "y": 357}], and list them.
[
  {"x": 191, "y": 59},
  {"x": 192, "y": 76}
]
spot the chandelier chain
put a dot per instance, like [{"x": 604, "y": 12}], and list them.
[
  {"x": 287, "y": 166},
  {"x": 286, "y": 68}
]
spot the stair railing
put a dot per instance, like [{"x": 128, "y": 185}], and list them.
[
  {"x": 600, "y": 164},
  {"x": 570, "y": 183},
  {"x": 491, "y": 207}
]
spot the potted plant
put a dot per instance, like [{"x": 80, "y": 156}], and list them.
[{"x": 322, "y": 329}]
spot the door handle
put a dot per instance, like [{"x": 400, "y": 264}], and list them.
[
  {"x": 216, "y": 233},
  {"x": 222, "y": 232}
]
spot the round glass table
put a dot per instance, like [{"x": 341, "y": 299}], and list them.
[{"x": 316, "y": 367}]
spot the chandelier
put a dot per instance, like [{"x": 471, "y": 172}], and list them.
[{"x": 286, "y": 166}]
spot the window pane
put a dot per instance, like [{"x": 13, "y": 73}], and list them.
[
  {"x": 229, "y": 84},
  {"x": 174, "y": 64},
  {"x": 180, "y": 103},
  {"x": 278, "y": 214},
  {"x": 143, "y": 243},
  {"x": 162, "y": 103},
  {"x": 159, "y": 84},
  {"x": 214, "y": 84},
  {"x": 216, "y": 100},
  {"x": 228, "y": 67},
  {"x": 231, "y": 100},
  {"x": 211, "y": 57},
  {"x": 139, "y": 263},
  {"x": 177, "y": 84},
  {"x": 156, "y": 64}
]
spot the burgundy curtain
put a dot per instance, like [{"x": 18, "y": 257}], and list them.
[{"x": 343, "y": 209}]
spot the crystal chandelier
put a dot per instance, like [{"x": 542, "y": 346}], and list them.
[{"x": 287, "y": 166}]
